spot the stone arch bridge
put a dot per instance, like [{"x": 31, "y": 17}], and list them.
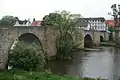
[
  {"x": 46, "y": 36},
  {"x": 95, "y": 36}
]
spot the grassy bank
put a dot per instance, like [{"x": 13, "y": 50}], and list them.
[
  {"x": 25, "y": 75},
  {"x": 108, "y": 43}
]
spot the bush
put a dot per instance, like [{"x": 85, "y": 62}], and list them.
[
  {"x": 64, "y": 46},
  {"x": 27, "y": 57}
]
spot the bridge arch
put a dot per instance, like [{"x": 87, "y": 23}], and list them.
[
  {"x": 88, "y": 40},
  {"x": 101, "y": 38},
  {"x": 8, "y": 35},
  {"x": 28, "y": 38}
]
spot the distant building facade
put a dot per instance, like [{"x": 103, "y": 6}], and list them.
[
  {"x": 22, "y": 23},
  {"x": 94, "y": 23},
  {"x": 27, "y": 22}
]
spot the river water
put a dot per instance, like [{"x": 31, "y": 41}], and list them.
[{"x": 104, "y": 63}]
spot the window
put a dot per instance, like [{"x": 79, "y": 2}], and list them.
[{"x": 95, "y": 27}]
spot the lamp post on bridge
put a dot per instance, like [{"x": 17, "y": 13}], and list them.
[{"x": 116, "y": 15}]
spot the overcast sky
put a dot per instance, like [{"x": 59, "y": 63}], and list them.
[{"x": 38, "y": 8}]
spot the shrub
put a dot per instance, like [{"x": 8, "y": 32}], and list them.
[
  {"x": 64, "y": 46},
  {"x": 27, "y": 57}
]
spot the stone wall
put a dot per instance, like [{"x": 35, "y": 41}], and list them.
[
  {"x": 8, "y": 35},
  {"x": 106, "y": 34},
  {"x": 50, "y": 36},
  {"x": 46, "y": 35},
  {"x": 4, "y": 44},
  {"x": 96, "y": 37},
  {"x": 79, "y": 38}
]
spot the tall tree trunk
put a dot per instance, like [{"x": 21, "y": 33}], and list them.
[{"x": 116, "y": 31}]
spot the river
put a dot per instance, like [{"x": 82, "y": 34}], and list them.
[{"x": 104, "y": 63}]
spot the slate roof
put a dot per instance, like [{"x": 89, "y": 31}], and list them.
[
  {"x": 82, "y": 22},
  {"x": 95, "y": 19},
  {"x": 22, "y": 22}
]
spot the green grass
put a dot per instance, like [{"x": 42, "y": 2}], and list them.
[
  {"x": 25, "y": 75},
  {"x": 108, "y": 43}
]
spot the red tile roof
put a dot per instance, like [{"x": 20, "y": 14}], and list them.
[
  {"x": 36, "y": 23},
  {"x": 110, "y": 23}
]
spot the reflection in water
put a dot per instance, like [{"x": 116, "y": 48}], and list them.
[
  {"x": 104, "y": 63},
  {"x": 116, "y": 68}
]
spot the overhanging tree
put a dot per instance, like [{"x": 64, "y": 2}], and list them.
[
  {"x": 66, "y": 24},
  {"x": 116, "y": 15}
]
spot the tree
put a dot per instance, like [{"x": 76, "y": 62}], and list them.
[
  {"x": 52, "y": 19},
  {"x": 116, "y": 15},
  {"x": 66, "y": 24},
  {"x": 8, "y": 21},
  {"x": 111, "y": 29}
]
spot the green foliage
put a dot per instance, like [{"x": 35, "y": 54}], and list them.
[
  {"x": 111, "y": 29},
  {"x": 68, "y": 23},
  {"x": 53, "y": 19},
  {"x": 24, "y": 75},
  {"x": 27, "y": 57},
  {"x": 65, "y": 22},
  {"x": 107, "y": 43},
  {"x": 64, "y": 46},
  {"x": 7, "y": 21}
]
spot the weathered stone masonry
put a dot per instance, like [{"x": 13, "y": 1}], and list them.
[
  {"x": 46, "y": 35},
  {"x": 8, "y": 35}
]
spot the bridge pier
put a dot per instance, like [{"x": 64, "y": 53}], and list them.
[
  {"x": 106, "y": 36},
  {"x": 96, "y": 37},
  {"x": 79, "y": 38},
  {"x": 4, "y": 47}
]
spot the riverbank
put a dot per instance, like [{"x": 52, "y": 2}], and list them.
[
  {"x": 109, "y": 44},
  {"x": 25, "y": 75},
  {"x": 94, "y": 48}
]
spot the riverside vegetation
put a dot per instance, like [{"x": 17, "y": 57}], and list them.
[
  {"x": 25, "y": 75},
  {"x": 28, "y": 64},
  {"x": 66, "y": 25}
]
